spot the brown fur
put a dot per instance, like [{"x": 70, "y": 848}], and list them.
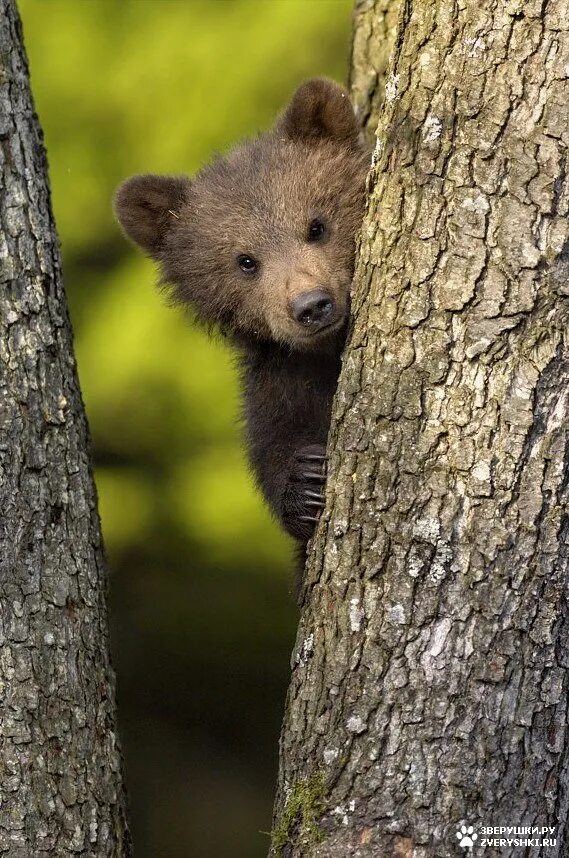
[{"x": 260, "y": 201}]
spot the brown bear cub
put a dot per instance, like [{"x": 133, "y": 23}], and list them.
[{"x": 261, "y": 243}]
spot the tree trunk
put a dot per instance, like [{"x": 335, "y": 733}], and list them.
[
  {"x": 60, "y": 768},
  {"x": 374, "y": 30},
  {"x": 429, "y": 684}
]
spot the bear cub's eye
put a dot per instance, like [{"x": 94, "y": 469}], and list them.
[
  {"x": 247, "y": 264},
  {"x": 316, "y": 230}
]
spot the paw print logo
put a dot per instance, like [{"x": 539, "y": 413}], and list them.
[{"x": 466, "y": 836}]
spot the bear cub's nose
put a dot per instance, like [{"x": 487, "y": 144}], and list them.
[{"x": 314, "y": 310}]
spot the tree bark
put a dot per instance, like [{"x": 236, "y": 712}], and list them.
[
  {"x": 60, "y": 768},
  {"x": 374, "y": 30},
  {"x": 430, "y": 674}
]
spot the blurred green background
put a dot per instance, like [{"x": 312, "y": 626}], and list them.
[{"x": 202, "y": 617}]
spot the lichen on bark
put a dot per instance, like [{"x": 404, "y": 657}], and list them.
[
  {"x": 434, "y": 690},
  {"x": 60, "y": 768}
]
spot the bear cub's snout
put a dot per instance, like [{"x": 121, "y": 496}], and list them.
[{"x": 314, "y": 310}]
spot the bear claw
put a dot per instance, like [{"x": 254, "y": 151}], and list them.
[
  {"x": 303, "y": 501},
  {"x": 312, "y": 457}
]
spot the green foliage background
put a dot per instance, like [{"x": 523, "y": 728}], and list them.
[{"x": 202, "y": 619}]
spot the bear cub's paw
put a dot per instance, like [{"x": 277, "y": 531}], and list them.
[{"x": 303, "y": 499}]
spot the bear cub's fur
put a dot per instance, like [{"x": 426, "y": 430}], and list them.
[{"x": 261, "y": 243}]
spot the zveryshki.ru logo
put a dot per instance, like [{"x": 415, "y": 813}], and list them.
[{"x": 506, "y": 835}]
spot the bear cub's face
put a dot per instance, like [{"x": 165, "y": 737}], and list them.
[{"x": 262, "y": 242}]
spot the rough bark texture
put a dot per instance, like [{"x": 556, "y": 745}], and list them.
[
  {"x": 374, "y": 30},
  {"x": 430, "y": 675},
  {"x": 60, "y": 768}
]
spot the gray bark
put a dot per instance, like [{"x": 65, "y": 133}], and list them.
[
  {"x": 60, "y": 768},
  {"x": 430, "y": 675}
]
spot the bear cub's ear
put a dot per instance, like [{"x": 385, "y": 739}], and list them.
[
  {"x": 320, "y": 109},
  {"x": 146, "y": 207}
]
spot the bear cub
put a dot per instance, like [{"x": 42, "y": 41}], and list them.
[{"x": 261, "y": 243}]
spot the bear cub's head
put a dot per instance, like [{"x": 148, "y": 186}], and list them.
[{"x": 261, "y": 242}]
